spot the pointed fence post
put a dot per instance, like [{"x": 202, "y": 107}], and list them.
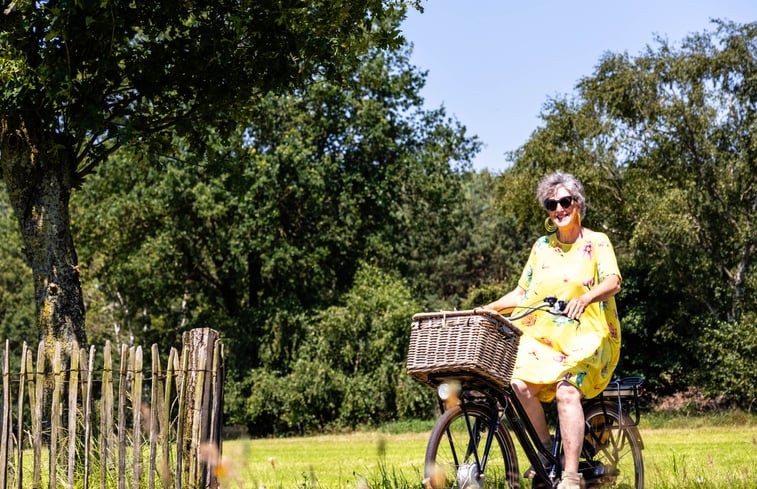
[
  {"x": 202, "y": 408},
  {"x": 6, "y": 418},
  {"x": 183, "y": 416}
]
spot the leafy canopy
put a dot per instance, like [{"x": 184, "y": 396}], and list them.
[{"x": 100, "y": 73}]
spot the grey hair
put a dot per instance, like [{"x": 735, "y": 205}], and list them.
[{"x": 548, "y": 185}]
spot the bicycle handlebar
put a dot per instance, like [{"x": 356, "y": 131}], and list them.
[{"x": 555, "y": 306}]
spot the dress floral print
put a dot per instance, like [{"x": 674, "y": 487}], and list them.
[{"x": 555, "y": 348}]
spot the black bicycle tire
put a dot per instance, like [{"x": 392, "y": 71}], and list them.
[
  {"x": 438, "y": 436},
  {"x": 629, "y": 431}
]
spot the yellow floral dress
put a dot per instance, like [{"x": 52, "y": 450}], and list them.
[{"x": 555, "y": 348}]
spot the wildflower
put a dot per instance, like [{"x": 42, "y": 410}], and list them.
[
  {"x": 146, "y": 416},
  {"x": 209, "y": 454},
  {"x": 436, "y": 480},
  {"x": 218, "y": 466},
  {"x": 363, "y": 484}
]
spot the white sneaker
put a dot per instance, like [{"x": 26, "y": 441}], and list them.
[{"x": 571, "y": 480}]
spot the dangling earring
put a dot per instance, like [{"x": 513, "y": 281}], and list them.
[{"x": 549, "y": 225}]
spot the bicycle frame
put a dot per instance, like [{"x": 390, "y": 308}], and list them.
[
  {"x": 492, "y": 405},
  {"x": 507, "y": 405},
  {"x": 504, "y": 405}
]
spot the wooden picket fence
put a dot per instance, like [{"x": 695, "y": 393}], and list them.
[{"x": 118, "y": 425}]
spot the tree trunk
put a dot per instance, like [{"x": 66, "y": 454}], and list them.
[{"x": 38, "y": 181}]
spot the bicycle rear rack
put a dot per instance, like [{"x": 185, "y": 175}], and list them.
[{"x": 626, "y": 392}]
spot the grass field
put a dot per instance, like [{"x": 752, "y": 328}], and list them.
[{"x": 690, "y": 452}]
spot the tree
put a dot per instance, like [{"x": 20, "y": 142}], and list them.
[
  {"x": 469, "y": 242},
  {"x": 82, "y": 79},
  {"x": 350, "y": 369},
  {"x": 258, "y": 229},
  {"x": 665, "y": 145}
]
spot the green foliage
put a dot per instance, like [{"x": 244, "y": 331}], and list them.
[
  {"x": 253, "y": 231},
  {"x": 347, "y": 368},
  {"x": 305, "y": 204},
  {"x": 664, "y": 145},
  {"x": 108, "y": 72},
  {"x": 17, "y": 315},
  {"x": 82, "y": 79},
  {"x": 484, "y": 295},
  {"x": 729, "y": 360},
  {"x": 471, "y": 242}
]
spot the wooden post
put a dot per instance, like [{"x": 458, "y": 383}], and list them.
[
  {"x": 73, "y": 391},
  {"x": 200, "y": 405},
  {"x": 181, "y": 393},
  {"x": 36, "y": 401},
  {"x": 56, "y": 412},
  {"x": 22, "y": 379},
  {"x": 136, "y": 411},
  {"x": 6, "y": 423},
  {"x": 106, "y": 416},
  {"x": 166, "y": 474},
  {"x": 88, "y": 413},
  {"x": 153, "y": 419},
  {"x": 123, "y": 372},
  {"x": 216, "y": 411}
]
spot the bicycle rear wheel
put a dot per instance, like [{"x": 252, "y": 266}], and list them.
[
  {"x": 456, "y": 451},
  {"x": 611, "y": 452}
]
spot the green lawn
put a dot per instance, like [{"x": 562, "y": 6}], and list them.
[
  {"x": 707, "y": 455},
  {"x": 329, "y": 461},
  {"x": 702, "y": 457}
]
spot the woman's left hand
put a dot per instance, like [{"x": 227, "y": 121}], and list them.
[
  {"x": 606, "y": 289},
  {"x": 576, "y": 307}
]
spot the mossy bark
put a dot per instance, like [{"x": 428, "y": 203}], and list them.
[{"x": 39, "y": 183}]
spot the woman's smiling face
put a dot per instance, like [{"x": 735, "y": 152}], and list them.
[{"x": 562, "y": 207}]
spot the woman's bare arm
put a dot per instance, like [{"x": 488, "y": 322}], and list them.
[{"x": 508, "y": 301}]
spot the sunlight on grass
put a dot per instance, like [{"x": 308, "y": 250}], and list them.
[
  {"x": 712, "y": 456},
  {"x": 333, "y": 461},
  {"x": 703, "y": 457}
]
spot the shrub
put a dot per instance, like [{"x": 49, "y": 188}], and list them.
[
  {"x": 347, "y": 366},
  {"x": 728, "y": 353}
]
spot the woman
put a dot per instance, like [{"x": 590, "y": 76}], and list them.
[{"x": 561, "y": 357}]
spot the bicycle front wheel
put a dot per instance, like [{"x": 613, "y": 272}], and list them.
[
  {"x": 612, "y": 451},
  {"x": 456, "y": 455}
]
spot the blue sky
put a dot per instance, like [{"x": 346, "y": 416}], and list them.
[{"x": 493, "y": 64}]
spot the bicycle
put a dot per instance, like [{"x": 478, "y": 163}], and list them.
[{"x": 462, "y": 355}]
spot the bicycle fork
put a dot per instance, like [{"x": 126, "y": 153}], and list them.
[{"x": 476, "y": 470}]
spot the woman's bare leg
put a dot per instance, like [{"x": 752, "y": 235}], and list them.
[
  {"x": 571, "y": 415},
  {"x": 526, "y": 393}
]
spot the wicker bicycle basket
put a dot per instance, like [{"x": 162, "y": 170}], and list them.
[{"x": 460, "y": 343}]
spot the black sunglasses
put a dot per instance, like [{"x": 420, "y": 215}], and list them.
[{"x": 565, "y": 202}]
